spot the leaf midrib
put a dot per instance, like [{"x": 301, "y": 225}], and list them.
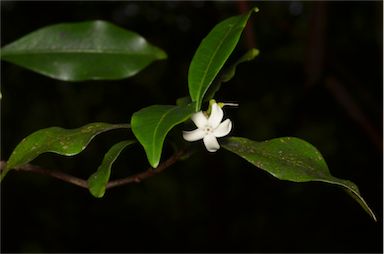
[
  {"x": 70, "y": 133},
  {"x": 157, "y": 127},
  {"x": 87, "y": 51},
  {"x": 211, "y": 59},
  {"x": 333, "y": 181},
  {"x": 289, "y": 161},
  {"x": 271, "y": 156}
]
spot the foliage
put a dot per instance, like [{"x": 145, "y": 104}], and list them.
[
  {"x": 99, "y": 50},
  {"x": 291, "y": 159},
  {"x": 212, "y": 54},
  {"x": 151, "y": 125},
  {"x": 83, "y": 51},
  {"x": 56, "y": 140},
  {"x": 97, "y": 182}
]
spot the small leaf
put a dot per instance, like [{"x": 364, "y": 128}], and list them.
[
  {"x": 151, "y": 125},
  {"x": 97, "y": 182},
  {"x": 212, "y": 54},
  {"x": 82, "y": 51},
  {"x": 291, "y": 159},
  {"x": 229, "y": 73},
  {"x": 66, "y": 142}
]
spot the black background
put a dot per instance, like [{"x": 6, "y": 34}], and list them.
[{"x": 209, "y": 202}]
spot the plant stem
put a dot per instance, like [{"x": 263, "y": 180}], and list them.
[
  {"x": 114, "y": 183},
  {"x": 147, "y": 173}
]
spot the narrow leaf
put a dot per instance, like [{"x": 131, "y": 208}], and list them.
[
  {"x": 229, "y": 73},
  {"x": 151, "y": 125},
  {"x": 291, "y": 159},
  {"x": 97, "y": 182},
  {"x": 212, "y": 54},
  {"x": 82, "y": 51},
  {"x": 66, "y": 142}
]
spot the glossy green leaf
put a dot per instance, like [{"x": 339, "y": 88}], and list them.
[
  {"x": 66, "y": 142},
  {"x": 97, "y": 182},
  {"x": 229, "y": 73},
  {"x": 290, "y": 159},
  {"x": 151, "y": 125},
  {"x": 212, "y": 54},
  {"x": 82, "y": 51}
]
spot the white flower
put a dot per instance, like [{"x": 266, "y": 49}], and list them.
[{"x": 209, "y": 128}]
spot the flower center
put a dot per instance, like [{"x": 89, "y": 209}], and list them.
[{"x": 208, "y": 129}]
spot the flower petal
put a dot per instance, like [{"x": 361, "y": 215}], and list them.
[
  {"x": 216, "y": 116},
  {"x": 223, "y": 129},
  {"x": 211, "y": 143},
  {"x": 193, "y": 135},
  {"x": 200, "y": 120}
]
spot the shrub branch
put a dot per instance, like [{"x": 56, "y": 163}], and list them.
[{"x": 136, "y": 178}]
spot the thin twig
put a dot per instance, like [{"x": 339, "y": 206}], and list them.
[
  {"x": 84, "y": 184},
  {"x": 147, "y": 173},
  {"x": 316, "y": 67},
  {"x": 315, "y": 57},
  {"x": 50, "y": 172},
  {"x": 355, "y": 112}
]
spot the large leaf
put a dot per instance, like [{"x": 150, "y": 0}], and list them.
[
  {"x": 66, "y": 142},
  {"x": 229, "y": 73},
  {"x": 212, "y": 54},
  {"x": 151, "y": 125},
  {"x": 97, "y": 182},
  {"x": 82, "y": 51},
  {"x": 290, "y": 159}
]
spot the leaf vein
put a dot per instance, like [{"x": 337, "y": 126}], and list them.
[
  {"x": 157, "y": 127},
  {"x": 213, "y": 56}
]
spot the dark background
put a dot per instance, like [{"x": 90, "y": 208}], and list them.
[{"x": 318, "y": 77}]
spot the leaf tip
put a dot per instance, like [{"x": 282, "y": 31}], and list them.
[
  {"x": 254, "y": 52},
  {"x": 100, "y": 195},
  {"x": 94, "y": 189},
  {"x": 4, "y": 171},
  {"x": 154, "y": 163},
  {"x": 374, "y": 217},
  {"x": 162, "y": 55},
  {"x": 97, "y": 194}
]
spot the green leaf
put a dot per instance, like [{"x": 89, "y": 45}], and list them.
[
  {"x": 97, "y": 182},
  {"x": 82, "y": 51},
  {"x": 291, "y": 159},
  {"x": 212, "y": 54},
  {"x": 66, "y": 142},
  {"x": 151, "y": 125},
  {"x": 229, "y": 73}
]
